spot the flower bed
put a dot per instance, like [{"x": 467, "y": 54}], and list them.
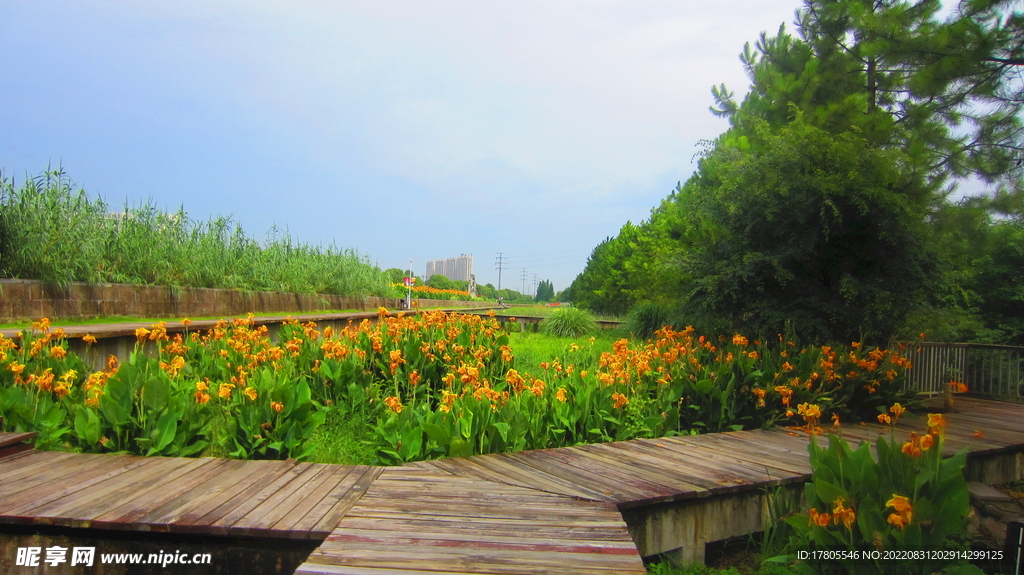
[{"x": 431, "y": 385}]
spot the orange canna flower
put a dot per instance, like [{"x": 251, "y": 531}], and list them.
[
  {"x": 224, "y": 391},
  {"x": 897, "y": 410},
  {"x": 620, "y": 400},
  {"x": 560, "y": 394},
  {"x": 884, "y": 418},
  {"x": 394, "y": 404},
  {"x": 250, "y": 393},
  {"x": 977, "y": 433},
  {"x": 844, "y": 515},
  {"x": 904, "y": 511},
  {"x": 89, "y": 339},
  {"x": 278, "y": 406},
  {"x": 936, "y": 423}
]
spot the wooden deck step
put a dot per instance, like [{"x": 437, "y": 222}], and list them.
[
  {"x": 414, "y": 520},
  {"x": 11, "y": 443}
]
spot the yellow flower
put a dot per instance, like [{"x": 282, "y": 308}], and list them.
[
  {"x": 560, "y": 394},
  {"x": 897, "y": 410},
  {"x": 936, "y": 423},
  {"x": 224, "y": 391},
  {"x": 884, "y": 418},
  {"x": 844, "y": 515},
  {"x": 141, "y": 334},
  {"x": 89, "y": 339},
  {"x": 250, "y": 393},
  {"x": 16, "y": 367},
  {"x": 278, "y": 406},
  {"x": 904, "y": 511}
]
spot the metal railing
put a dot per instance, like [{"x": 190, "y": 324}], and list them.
[{"x": 996, "y": 370}]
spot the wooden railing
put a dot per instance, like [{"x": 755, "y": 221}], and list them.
[{"x": 995, "y": 370}]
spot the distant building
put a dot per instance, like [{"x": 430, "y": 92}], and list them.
[{"x": 459, "y": 268}]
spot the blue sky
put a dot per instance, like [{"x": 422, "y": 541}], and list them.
[{"x": 404, "y": 129}]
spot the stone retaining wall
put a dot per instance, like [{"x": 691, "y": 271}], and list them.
[{"x": 29, "y": 300}]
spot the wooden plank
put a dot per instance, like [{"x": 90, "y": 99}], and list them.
[
  {"x": 624, "y": 456},
  {"x": 67, "y": 468},
  {"x": 497, "y": 528},
  {"x": 332, "y": 476},
  {"x": 394, "y": 536},
  {"x": 487, "y": 560},
  {"x": 496, "y": 466},
  {"x": 783, "y": 461},
  {"x": 167, "y": 503},
  {"x": 134, "y": 493},
  {"x": 226, "y": 494},
  {"x": 17, "y": 467},
  {"x": 224, "y": 525},
  {"x": 704, "y": 467},
  {"x": 30, "y": 500},
  {"x": 224, "y": 479},
  {"x": 727, "y": 475},
  {"x": 528, "y": 460},
  {"x": 345, "y": 496},
  {"x": 259, "y": 521},
  {"x": 709, "y": 453},
  {"x": 88, "y": 503}
]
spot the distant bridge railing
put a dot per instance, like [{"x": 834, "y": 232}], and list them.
[{"x": 996, "y": 370}]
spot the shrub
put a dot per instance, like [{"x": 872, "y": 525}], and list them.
[
  {"x": 569, "y": 322},
  {"x": 646, "y": 318}
]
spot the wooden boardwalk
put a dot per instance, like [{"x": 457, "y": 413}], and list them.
[
  {"x": 414, "y": 520},
  {"x": 589, "y": 508},
  {"x": 643, "y": 472},
  {"x": 183, "y": 495}
]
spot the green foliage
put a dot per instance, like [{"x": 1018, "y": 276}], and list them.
[
  {"x": 848, "y": 142},
  {"x": 909, "y": 499},
  {"x": 52, "y": 232},
  {"x": 646, "y": 318},
  {"x": 545, "y": 291},
  {"x": 440, "y": 282},
  {"x": 569, "y": 322},
  {"x": 815, "y": 234}
]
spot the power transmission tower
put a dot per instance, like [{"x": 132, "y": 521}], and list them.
[
  {"x": 499, "y": 265},
  {"x": 524, "y": 281},
  {"x": 534, "y": 285}
]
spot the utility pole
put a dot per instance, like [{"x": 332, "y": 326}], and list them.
[
  {"x": 524, "y": 281},
  {"x": 499, "y": 265}
]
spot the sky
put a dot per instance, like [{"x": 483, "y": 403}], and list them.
[{"x": 402, "y": 129}]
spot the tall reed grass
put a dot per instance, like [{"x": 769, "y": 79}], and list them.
[{"x": 53, "y": 232}]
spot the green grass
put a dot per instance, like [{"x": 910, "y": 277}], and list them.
[
  {"x": 343, "y": 439},
  {"x": 53, "y": 232},
  {"x": 544, "y": 311}
]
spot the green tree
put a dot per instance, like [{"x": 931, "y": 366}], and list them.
[
  {"x": 947, "y": 93},
  {"x": 813, "y": 233},
  {"x": 545, "y": 291},
  {"x": 440, "y": 282}
]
